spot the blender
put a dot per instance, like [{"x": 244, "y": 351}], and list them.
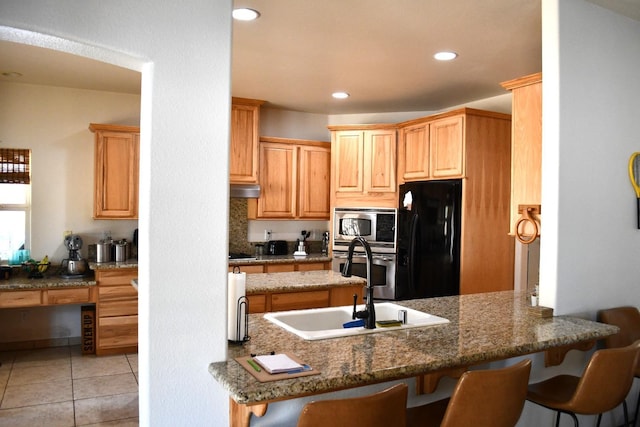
[{"x": 74, "y": 266}]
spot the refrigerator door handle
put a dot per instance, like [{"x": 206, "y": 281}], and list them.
[{"x": 411, "y": 262}]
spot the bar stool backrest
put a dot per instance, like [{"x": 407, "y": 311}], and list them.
[
  {"x": 383, "y": 409},
  {"x": 491, "y": 397}
]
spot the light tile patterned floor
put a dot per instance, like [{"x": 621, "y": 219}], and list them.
[{"x": 59, "y": 386}]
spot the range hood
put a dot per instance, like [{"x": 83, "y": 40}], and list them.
[{"x": 244, "y": 191}]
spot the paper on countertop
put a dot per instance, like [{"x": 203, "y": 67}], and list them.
[
  {"x": 276, "y": 363},
  {"x": 408, "y": 200}
]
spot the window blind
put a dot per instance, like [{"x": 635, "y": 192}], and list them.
[{"x": 15, "y": 166}]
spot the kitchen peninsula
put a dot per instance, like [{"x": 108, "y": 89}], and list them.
[{"x": 483, "y": 328}]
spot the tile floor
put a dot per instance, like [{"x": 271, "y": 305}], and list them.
[{"x": 59, "y": 386}]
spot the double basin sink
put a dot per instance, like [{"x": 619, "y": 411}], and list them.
[{"x": 322, "y": 323}]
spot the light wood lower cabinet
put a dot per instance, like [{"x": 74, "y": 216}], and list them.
[
  {"x": 45, "y": 297},
  {"x": 283, "y": 268},
  {"x": 20, "y": 299},
  {"x": 116, "y": 312},
  {"x": 299, "y": 300}
]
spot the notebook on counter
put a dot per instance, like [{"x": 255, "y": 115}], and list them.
[
  {"x": 278, "y": 363},
  {"x": 273, "y": 367}
]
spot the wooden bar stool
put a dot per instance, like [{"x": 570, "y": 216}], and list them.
[
  {"x": 485, "y": 398},
  {"x": 383, "y": 409},
  {"x": 628, "y": 320},
  {"x": 603, "y": 386}
]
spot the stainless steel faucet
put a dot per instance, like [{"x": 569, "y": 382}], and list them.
[{"x": 369, "y": 313}]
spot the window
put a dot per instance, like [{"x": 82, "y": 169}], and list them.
[{"x": 15, "y": 201}]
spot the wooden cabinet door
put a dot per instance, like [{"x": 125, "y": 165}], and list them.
[
  {"x": 414, "y": 144},
  {"x": 349, "y": 152},
  {"x": 446, "y": 147},
  {"x": 314, "y": 168},
  {"x": 243, "y": 151},
  {"x": 526, "y": 146},
  {"x": 278, "y": 165},
  {"x": 380, "y": 161},
  {"x": 116, "y": 171}
]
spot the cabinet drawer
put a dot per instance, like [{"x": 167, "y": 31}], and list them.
[
  {"x": 68, "y": 296},
  {"x": 106, "y": 293},
  {"x": 278, "y": 268},
  {"x": 118, "y": 308},
  {"x": 118, "y": 331},
  {"x": 257, "y": 303},
  {"x": 311, "y": 266},
  {"x": 119, "y": 276},
  {"x": 20, "y": 298},
  {"x": 299, "y": 300}
]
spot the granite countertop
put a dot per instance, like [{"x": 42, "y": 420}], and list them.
[
  {"x": 298, "y": 281},
  {"x": 20, "y": 281},
  {"x": 483, "y": 327},
  {"x": 280, "y": 259},
  {"x": 130, "y": 263}
]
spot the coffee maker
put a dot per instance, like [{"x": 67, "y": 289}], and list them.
[{"x": 74, "y": 266}]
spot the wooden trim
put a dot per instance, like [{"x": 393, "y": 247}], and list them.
[
  {"x": 460, "y": 111},
  {"x": 94, "y": 127},
  {"x": 555, "y": 356},
  {"x": 247, "y": 101},
  {"x": 531, "y": 79},
  {"x": 307, "y": 142},
  {"x": 240, "y": 414},
  {"x": 376, "y": 126}
]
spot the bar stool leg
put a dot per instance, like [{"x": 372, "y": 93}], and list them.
[{"x": 635, "y": 417}]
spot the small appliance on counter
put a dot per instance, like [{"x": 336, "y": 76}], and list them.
[
  {"x": 277, "y": 247},
  {"x": 74, "y": 266}
]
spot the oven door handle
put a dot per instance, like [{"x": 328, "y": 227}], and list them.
[
  {"x": 355, "y": 255},
  {"x": 382, "y": 258}
]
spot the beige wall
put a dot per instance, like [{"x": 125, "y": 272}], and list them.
[{"x": 53, "y": 122}]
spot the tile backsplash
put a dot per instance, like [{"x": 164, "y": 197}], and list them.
[
  {"x": 242, "y": 240},
  {"x": 238, "y": 227}
]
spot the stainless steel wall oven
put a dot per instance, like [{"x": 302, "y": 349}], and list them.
[{"x": 378, "y": 227}]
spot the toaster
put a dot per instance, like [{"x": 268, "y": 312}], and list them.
[{"x": 277, "y": 247}]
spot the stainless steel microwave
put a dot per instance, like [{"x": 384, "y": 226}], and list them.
[{"x": 376, "y": 225}]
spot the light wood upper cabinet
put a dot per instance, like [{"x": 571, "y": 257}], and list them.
[
  {"x": 278, "y": 183},
  {"x": 526, "y": 145},
  {"x": 432, "y": 148},
  {"x": 243, "y": 151},
  {"x": 116, "y": 170},
  {"x": 348, "y": 152},
  {"x": 294, "y": 180},
  {"x": 413, "y": 153},
  {"x": 363, "y": 166},
  {"x": 446, "y": 145},
  {"x": 314, "y": 171}
]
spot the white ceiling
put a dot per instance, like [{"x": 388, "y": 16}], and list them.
[{"x": 380, "y": 51}]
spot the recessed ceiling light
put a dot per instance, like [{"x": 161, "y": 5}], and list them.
[
  {"x": 245, "y": 14},
  {"x": 445, "y": 56},
  {"x": 340, "y": 95}
]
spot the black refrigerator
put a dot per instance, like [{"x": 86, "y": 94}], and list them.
[{"x": 428, "y": 249}]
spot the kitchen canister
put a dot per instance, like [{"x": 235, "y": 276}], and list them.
[
  {"x": 238, "y": 307},
  {"x": 121, "y": 250},
  {"x": 103, "y": 251}
]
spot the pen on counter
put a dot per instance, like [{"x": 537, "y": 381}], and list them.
[{"x": 254, "y": 365}]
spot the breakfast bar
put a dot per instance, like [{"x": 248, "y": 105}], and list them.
[{"x": 482, "y": 328}]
